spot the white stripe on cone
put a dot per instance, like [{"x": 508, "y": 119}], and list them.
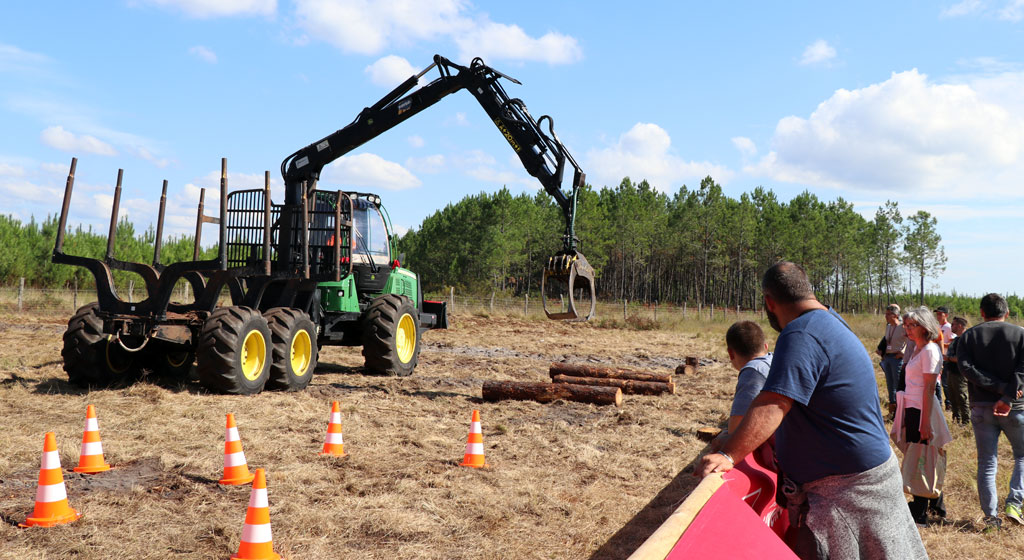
[
  {"x": 51, "y": 493},
  {"x": 51, "y": 460},
  {"x": 256, "y": 533},
  {"x": 91, "y": 425},
  {"x": 333, "y": 438},
  {"x": 234, "y": 459},
  {"x": 335, "y": 418},
  {"x": 232, "y": 434},
  {"x": 92, "y": 448},
  {"x": 258, "y": 498},
  {"x": 474, "y": 449},
  {"x": 474, "y": 428}
]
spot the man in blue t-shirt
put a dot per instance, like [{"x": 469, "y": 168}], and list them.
[{"x": 842, "y": 481}]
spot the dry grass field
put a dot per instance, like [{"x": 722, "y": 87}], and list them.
[{"x": 566, "y": 480}]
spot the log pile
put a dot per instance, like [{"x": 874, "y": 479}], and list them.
[
  {"x": 582, "y": 383},
  {"x": 630, "y": 381}
]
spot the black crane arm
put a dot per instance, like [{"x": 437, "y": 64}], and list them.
[{"x": 541, "y": 153}]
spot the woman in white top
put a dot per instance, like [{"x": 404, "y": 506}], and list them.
[{"x": 923, "y": 369}]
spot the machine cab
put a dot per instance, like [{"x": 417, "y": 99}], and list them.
[{"x": 371, "y": 251}]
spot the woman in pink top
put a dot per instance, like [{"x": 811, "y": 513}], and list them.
[{"x": 923, "y": 370}]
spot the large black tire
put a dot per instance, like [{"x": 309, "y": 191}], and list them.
[
  {"x": 92, "y": 358},
  {"x": 234, "y": 351},
  {"x": 391, "y": 338},
  {"x": 294, "y": 349}
]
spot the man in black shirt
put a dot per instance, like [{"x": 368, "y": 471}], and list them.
[{"x": 991, "y": 356}]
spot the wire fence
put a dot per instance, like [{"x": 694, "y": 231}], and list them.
[{"x": 64, "y": 302}]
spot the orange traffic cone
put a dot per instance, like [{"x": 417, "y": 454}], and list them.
[
  {"x": 90, "y": 460},
  {"x": 236, "y": 470},
  {"x": 333, "y": 443},
  {"x": 51, "y": 496},
  {"x": 475, "y": 445},
  {"x": 257, "y": 543}
]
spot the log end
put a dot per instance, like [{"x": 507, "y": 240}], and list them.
[
  {"x": 708, "y": 433},
  {"x": 686, "y": 369}
]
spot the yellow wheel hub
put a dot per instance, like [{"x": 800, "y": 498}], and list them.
[
  {"x": 405, "y": 338},
  {"x": 177, "y": 359},
  {"x": 254, "y": 355},
  {"x": 117, "y": 362},
  {"x": 301, "y": 352}
]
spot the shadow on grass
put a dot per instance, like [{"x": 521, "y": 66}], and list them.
[
  {"x": 646, "y": 521},
  {"x": 174, "y": 384},
  {"x": 327, "y": 367}
]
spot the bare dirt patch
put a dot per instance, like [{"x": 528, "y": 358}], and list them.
[{"x": 567, "y": 480}]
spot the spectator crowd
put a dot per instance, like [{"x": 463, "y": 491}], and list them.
[{"x": 811, "y": 406}]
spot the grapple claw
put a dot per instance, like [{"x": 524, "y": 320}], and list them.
[{"x": 567, "y": 278}]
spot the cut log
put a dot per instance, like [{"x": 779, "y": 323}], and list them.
[
  {"x": 708, "y": 433},
  {"x": 689, "y": 367},
  {"x": 577, "y": 370},
  {"x": 628, "y": 386},
  {"x": 547, "y": 392}
]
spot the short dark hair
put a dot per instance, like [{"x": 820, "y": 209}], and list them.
[
  {"x": 993, "y": 306},
  {"x": 962, "y": 321},
  {"x": 745, "y": 338},
  {"x": 786, "y": 282}
]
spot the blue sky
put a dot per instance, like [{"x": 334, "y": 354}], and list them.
[{"x": 916, "y": 102}]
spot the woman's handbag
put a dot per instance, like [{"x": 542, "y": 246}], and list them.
[{"x": 924, "y": 469}]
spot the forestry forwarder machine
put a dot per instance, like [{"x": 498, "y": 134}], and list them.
[{"x": 318, "y": 270}]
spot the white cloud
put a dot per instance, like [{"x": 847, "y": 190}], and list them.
[
  {"x": 498, "y": 41},
  {"x": 416, "y": 141},
  {"x": 203, "y": 53},
  {"x": 148, "y": 156},
  {"x": 13, "y": 59},
  {"x": 369, "y": 27},
  {"x": 368, "y": 170},
  {"x": 459, "y": 119},
  {"x": 427, "y": 164},
  {"x": 8, "y": 170},
  {"x": 1013, "y": 11},
  {"x": 390, "y": 71},
  {"x": 57, "y": 137},
  {"x": 745, "y": 145},
  {"x": 817, "y": 52},
  {"x": 204, "y": 9},
  {"x": 907, "y": 134},
  {"x": 644, "y": 152},
  {"x": 966, "y": 7}
]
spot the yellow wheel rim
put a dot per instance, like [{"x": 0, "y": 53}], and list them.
[
  {"x": 176, "y": 359},
  {"x": 254, "y": 355},
  {"x": 301, "y": 352},
  {"x": 405, "y": 338},
  {"x": 111, "y": 359}
]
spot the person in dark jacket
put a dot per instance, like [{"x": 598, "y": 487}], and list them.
[{"x": 991, "y": 356}]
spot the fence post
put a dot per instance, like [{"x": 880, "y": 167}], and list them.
[
  {"x": 712, "y": 312},
  {"x": 131, "y": 291},
  {"x": 684, "y": 309},
  {"x": 526, "y": 304},
  {"x": 451, "y": 299},
  {"x": 655, "y": 311},
  {"x": 21, "y": 293},
  {"x": 492, "y": 302},
  {"x": 74, "y": 296},
  {"x": 624, "y": 303}
]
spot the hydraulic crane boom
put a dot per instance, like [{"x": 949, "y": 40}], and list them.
[{"x": 541, "y": 153}]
